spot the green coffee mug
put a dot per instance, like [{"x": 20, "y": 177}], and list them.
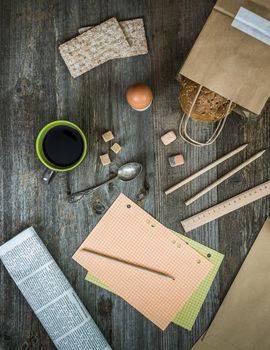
[{"x": 60, "y": 146}]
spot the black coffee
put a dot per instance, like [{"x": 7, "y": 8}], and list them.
[{"x": 63, "y": 146}]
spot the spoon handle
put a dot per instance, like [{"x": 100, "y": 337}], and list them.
[{"x": 76, "y": 196}]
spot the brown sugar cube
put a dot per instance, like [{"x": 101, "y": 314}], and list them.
[
  {"x": 108, "y": 136},
  {"x": 105, "y": 159},
  {"x": 116, "y": 148},
  {"x": 176, "y": 160},
  {"x": 168, "y": 138}
]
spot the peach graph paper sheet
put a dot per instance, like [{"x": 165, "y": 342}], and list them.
[
  {"x": 128, "y": 233},
  {"x": 187, "y": 315}
]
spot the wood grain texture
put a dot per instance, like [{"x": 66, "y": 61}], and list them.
[{"x": 36, "y": 88}]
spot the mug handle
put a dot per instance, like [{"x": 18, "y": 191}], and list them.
[{"x": 47, "y": 176}]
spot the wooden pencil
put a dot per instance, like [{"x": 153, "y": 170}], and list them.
[
  {"x": 203, "y": 170},
  {"x": 224, "y": 177}
]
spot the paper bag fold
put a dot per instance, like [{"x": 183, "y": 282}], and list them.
[{"x": 243, "y": 320}]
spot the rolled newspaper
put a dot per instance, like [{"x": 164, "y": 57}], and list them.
[{"x": 49, "y": 294}]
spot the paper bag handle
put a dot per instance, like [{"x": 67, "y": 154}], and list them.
[{"x": 184, "y": 122}]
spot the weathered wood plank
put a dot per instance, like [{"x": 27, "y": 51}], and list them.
[
  {"x": 44, "y": 91},
  {"x": 245, "y": 224},
  {"x": 36, "y": 88},
  {"x": 169, "y": 51}
]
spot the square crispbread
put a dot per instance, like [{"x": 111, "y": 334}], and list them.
[
  {"x": 135, "y": 35},
  {"x": 94, "y": 47}
]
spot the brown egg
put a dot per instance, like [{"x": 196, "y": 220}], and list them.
[{"x": 139, "y": 96}]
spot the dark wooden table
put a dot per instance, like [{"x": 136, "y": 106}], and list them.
[{"x": 36, "y": 88}]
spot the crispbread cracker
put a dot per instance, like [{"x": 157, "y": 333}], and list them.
[
  {"x": 135, "y": 35},
  {"x": 94, "y": 47}
]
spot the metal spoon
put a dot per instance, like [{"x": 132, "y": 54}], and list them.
[{"x": 126, "y": 172}]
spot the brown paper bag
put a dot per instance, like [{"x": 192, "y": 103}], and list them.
[
  {"x": 230, "y": 62},
  {"x": 243, "y": 320}
]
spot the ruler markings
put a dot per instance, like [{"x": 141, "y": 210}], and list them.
[{"x": 226, "y": 206}]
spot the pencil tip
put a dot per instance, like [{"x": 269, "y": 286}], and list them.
[
  {"x": 260, "y": 153},
  {"x": 240, "y": 148}
]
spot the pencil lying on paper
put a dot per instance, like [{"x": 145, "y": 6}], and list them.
[
  {"x": 224, "y": 177},
  {"x": 128, "y": 263},
  {"x": 204, "y": 170}
]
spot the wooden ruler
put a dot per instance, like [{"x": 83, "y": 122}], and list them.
[{"x": 226, "y": 207}]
